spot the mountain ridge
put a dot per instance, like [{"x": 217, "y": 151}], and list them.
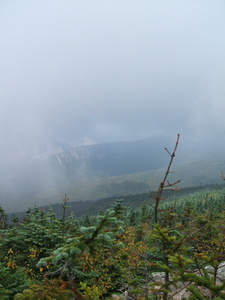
[{"x": 101, "y": 170}]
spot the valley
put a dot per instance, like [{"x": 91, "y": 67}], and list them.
[{"x": 101, "y": 171}]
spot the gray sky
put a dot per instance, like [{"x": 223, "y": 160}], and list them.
[{"x": 110, "y": 70}]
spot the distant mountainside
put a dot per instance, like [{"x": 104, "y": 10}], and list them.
[
  {"x": 98, "y": 171},
  {"x": 110, "y": 159}
]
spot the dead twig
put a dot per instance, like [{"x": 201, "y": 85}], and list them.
[{"x": 163, "y": 184}]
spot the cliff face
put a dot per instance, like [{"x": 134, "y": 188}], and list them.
[{"x": 112, "y": 159}]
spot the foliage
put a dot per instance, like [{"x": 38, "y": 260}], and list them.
[
  {"x": 35, "y": 237},
  {"x": 121, "y": 251},
  {"x": 13, "y": 279},
  {"x": 88, "y": 256},
  {"x": 90, "y": 293},
  {"x": 48, "y": 290}
]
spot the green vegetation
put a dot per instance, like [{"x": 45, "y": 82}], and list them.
[
  {"x": 117, "y": 251},
  {"x": 192, "y": 174},
  {"x": 92, "y": 207},
  {"x": 159, "y": 249}
]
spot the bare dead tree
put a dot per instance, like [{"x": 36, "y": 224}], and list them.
[{"x": 165, "y": 184}]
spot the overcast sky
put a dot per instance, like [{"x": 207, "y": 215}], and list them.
[{"x": 80, "y": 70}]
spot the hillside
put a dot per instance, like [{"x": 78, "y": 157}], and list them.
[
  {"x": 111, "y": 250},
  {"x": 99, "y": 171},
  {"x": 92, "y": 207},
  {"x": 191, "y": 174}
]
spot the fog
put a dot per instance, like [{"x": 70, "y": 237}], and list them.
[{"x": 101, "y": 71}]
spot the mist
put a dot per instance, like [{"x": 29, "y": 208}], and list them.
[
  {"x": 99, "y": 71},
  {"x": 85, "y": 72}
]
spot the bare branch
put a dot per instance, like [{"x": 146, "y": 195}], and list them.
[
  {"x": 168, "y": 151},
  {"x": 60, "y": 271},
  {"x": 171, "y": 184},
  {"x": 162, "y": 185}
]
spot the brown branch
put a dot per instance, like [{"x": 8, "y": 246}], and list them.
[
  {"x": 60, "y": 271},
  {"x": 168, "y": 151},
  {"x": 162, "y": 184},
  {"x": 171, "y": 184}
]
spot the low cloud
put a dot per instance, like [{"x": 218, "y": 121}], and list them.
[{"x": 110, "y": 71}]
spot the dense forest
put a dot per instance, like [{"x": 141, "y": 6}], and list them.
[
  {"x": 117, "y": 253},
  {"x": 156, "y": 248}
]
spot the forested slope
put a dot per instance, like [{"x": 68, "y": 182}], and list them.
[
  {"x": 115, "y": 252},
  {"x": 161, "y": 248}
]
